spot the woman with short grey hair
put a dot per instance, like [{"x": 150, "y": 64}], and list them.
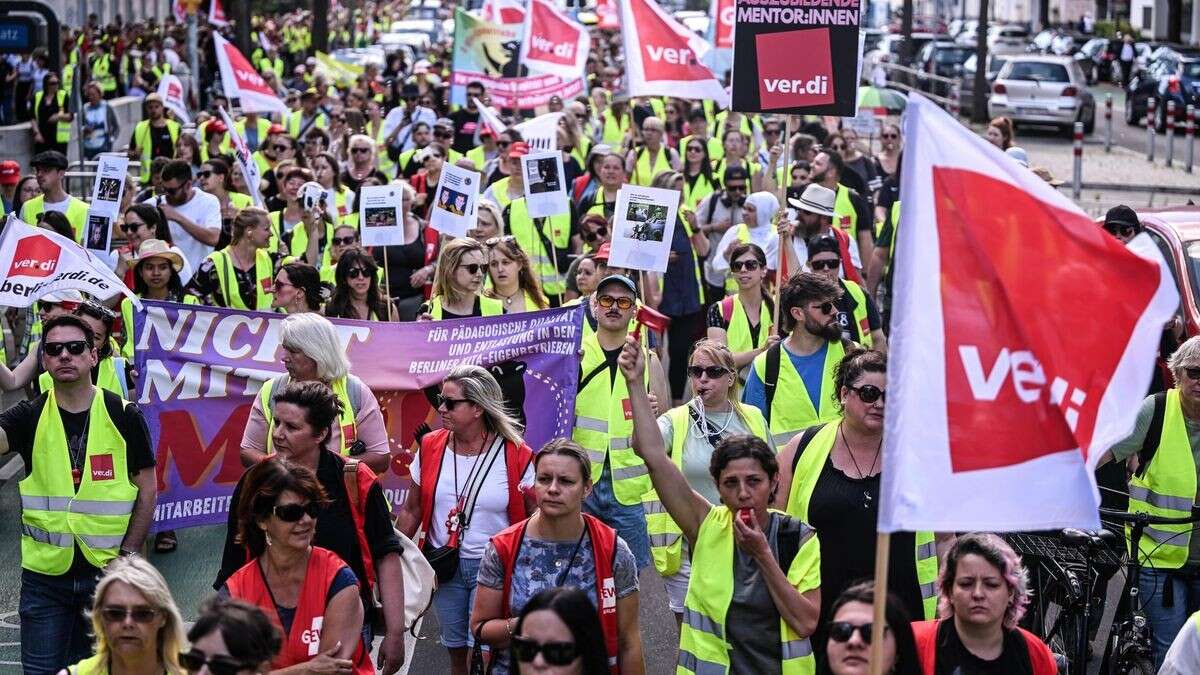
[{"x": 469, "y": 481}]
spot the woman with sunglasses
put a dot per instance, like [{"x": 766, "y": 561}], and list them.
[
  {"x": 139, "y": 223},
  {"x": 497, "y": 169},
  {"x": 830, "y": 477},
  {"x": 754, "y": 598},
  {"x": 887, "y": 159},
  {"x": 240, "y": 275},
  {"x": 216, "y": 179},
  {"x": 458, "y": 283},
  {"x": 743, "y": 321},
  {"x": 512, "y": 278},
  {"x": 582, "y": 278},
  {"x": 231, "y": 637},
  {"x": 594, "y": 231},
  {"x": 292, "y": 581},
  {"x": 557, "y": 631},
  {"x": 298, "y": 288},
  {"x": 137, "y": 626},
  {"x": 467, "y": 481},
  {"x": 698, "y": 178},
  {"x": 356, "y": 294},
  {"x": 559, "y": 546},
  {"x": 362, "y": 164},
  {"x": 431, "y": 158},
  {"x": 849, "y": 628},
  {"x": 52, "y": 116}
]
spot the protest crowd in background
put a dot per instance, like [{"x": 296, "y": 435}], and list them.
[{"x": 730, "y": 275}]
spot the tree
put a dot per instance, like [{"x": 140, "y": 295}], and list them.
[
  {"x": 241, "y": 17},
  {"x": 320, "y": 25},
  {"x": 980, "y": 90}
]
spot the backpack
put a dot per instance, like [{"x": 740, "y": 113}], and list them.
[{"x": 771, "y": 375}]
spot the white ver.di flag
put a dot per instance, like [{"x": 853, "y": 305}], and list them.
[{"x": 36, "y": 261}]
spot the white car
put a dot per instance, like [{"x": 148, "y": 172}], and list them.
[{"x": 1043, "y": 89}]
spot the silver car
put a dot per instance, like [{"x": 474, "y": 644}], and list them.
[{"x": 1043, "y": 89}]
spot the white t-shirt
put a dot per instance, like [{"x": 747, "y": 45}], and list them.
[
  {"x": 490, "y": 514},
  {"x": 60, "y": 207},
  {"x": 202, "y": 209}
]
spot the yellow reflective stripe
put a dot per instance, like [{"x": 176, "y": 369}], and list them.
[
  {"x": 591, "y": 424},
  {"x": 101, "y": 508},
  {"x": 1161, "y": 501},
  {"x": 697, "y": 621},
  {"x": 59, "y": 539},
  {"x": 629, "y": 472},
  {"x": 797, "y": 649},
  {"x": 32, "y": 503},
  {"x": 596, "y": 456},
  {"x": 691, "y": 663},
  {"x": 99, "y": 541}
]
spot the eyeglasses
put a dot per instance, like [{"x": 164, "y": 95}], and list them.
[
  {"x": 889, "y": 137},
  {"x": 449, "y": 403},
  {"x": 1192, "y": 373},
  {"x": 623, "y": 303},
  {"x": 695, "y": 148},
  {"x": 195, "y": 660},
  {"x": 291, "y": 513},
  {"x": 735, "y": 188},
  {"x": 555, "y": 653},
  {"x": 818, "y": 265},
  {"x": 281, "y": 148},
  {"x": 842, "y": 631},
  {"x": 131, "y": 227},
  {"x": 203, "y": 174},
  {"x": 1120, "y": 230},
  {"x": 748, "y": 265},
  {"x": 360, "y": 151},
  {"x": 869, "y": 393},
  {"x": 713, "y": 372},
  {"x": 277, "y": 284},
  {"x": 356, "y": 272},
  {"x": 825, "y": 307},
  {"x": 593, "y": 235},
  {"x": 117, "y": 614},
  {"x": 74, "y": 347},
  {"x": 473, "y": 268},
  {"x": 343, "y": 241},
  {"x": 493, "y": 241}
]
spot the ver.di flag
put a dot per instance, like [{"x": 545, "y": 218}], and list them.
[
  {"x": 36, "y": 261},
  {"x": 503, "y": 11},
  {"x": 245, "y": 159},
  {"x": 662, "y": 57},
  {"x": 1022, "y": 344},
  {"x": 242, "y": 82},
  {"x": 553, "y": 43},
  {"x": 170, "y": 90}
]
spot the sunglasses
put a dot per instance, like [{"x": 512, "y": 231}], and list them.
[
  {"x": 356, "y": 272},
  {"x": 473, "y": 268},
  {"x": 74, "y": 347},
  {"x": 1120, "y": 230},
  {"x": 842, "y": 631},
  {"x": 1192, "y": 373},
  {"x": 695, "y": 148},
  {"x": 607, "y": 301},
  {"x": 503, "y": 144},
  {"x": 735, "y": 188},
  {"x": 281, "y": 284},
  {"x": 818, "y": 265},
  {"x": 493, "y": 241},
  {"x": 343, "y": 241},
  {"x": 281, "y": 148},
  {"x": 889, "y": 137},
  {"x": 290, "y": 513},
  {"x": 449, "y": 403},
  {"x": 555, "y": 653},
  {"x": 771, "y": 132},
  {"x": 713, "y": 372},
  {"x": 869, "y": 393},
  {"x": 115, "y": 614},
  {"x": 598, "y": 233},
  {"x": 360, "y": 151},
  {"x": 130, "y": 227},
  {"x": 825, "y": 307},
  {"x": 748, "y": 265},
  {"x": 195, "y": 660},
  {"x": 203, "y": 174}
]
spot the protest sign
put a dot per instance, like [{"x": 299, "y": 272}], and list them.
[
  {"x": 545, "y": 184},
  {"x": 36, "y": 261},
  {"x": 454, "y": 208},
  {"x": 202, "y": 367},
  {"x": 643, "y": 224},
  {"x": 245, "y": 159},
  {"x": 489, "y": 53},
  {"x": 662, "y": 56},
  {"x": 380, "y": 216},
  {"x": 797, "y": 60},
  {"x": 111, "y": 173}
]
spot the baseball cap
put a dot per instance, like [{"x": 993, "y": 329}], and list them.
[
  {"x": 51, "y": 159},
  {"x": 518, "y": 149},
  {"x": 10, "y": 172},
  {"x": 276, "y": 129},
  {"x": 1122, "y": 215},
  {"x": 604, "y": 251},
  {"x": 311, "y": 92},
  {"x": 617, "y": 279}
]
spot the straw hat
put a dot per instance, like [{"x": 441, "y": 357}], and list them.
[{"x": 157, "y": 248}]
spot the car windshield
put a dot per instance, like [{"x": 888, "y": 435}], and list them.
[
  {"x": 952, "y": 55},
  {"x": 1039, "y": 71},
  {"x": 1191, "y": 70},
  {"x": 996, "y": 65},
  {"x": 1193, "y": 260}
]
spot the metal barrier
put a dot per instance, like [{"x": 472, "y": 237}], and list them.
[
  {"x": 1077, "y": 178},
  {"x": 1108, "y": 122},
  {"x": 81, "y": 176},
  {"x": 912, "y": 79},
  {"x": 1190, "y": 135}
]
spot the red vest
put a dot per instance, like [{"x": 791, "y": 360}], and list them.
[
  {"x": 925, "y": 633},
  {"x": 433, "y": 447},
  {"x": 304, "y": 641},
  {"x": 366, "y": 478},
  {"x": 604, "y": 547}
]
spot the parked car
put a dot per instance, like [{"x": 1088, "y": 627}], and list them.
[
  {"x": 1007, "y": 36},
  {"x": 942, "y": 58},
  {"x": 966, "y": 85},
  {"x": 957, "y": 26},
  {"x": 1171, "y": 78},
  {"x": 1043, "y": 89},
  {"x": 1176, "y": 231}
]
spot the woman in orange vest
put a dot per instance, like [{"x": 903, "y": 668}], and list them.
[
  {"x": 310, "y": 593},
  {"x": 560, "y": 546}
]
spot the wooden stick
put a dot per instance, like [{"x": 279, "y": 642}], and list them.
[
  {"x": 883, "y": 542},
  {"x": 785, "y": 241}
]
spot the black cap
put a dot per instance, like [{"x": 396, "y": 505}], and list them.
[
  {"x": 736, "y": 173},
  {"x": 1122, "y": 215},
  {"x": 51, "y": 159},
  {"x": 823, "y": 244},
  {"x": 617, "y": 279}
]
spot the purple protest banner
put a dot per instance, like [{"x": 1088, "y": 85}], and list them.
[{"x": 201, "y": 367}]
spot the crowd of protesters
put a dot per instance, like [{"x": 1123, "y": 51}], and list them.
[{"x": 737, "y": 452}]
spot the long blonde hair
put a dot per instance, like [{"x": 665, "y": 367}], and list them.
[
  {"x": 145, "y": 579},
  {"x": 447, "y": 264},
  {"x": 481, "y": 388},
  {"x": 527, "y": 281},
  {"x": 720, "y": 355}
]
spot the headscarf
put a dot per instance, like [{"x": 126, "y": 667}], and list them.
[{"x": 765, "y": 205}]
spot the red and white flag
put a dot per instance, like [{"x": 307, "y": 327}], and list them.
[
  {"x": 244, "y": 156},
  {"x": 662, "y": 57},
  {"x": 241, "y": 81},
  {"x": 171, "y": 91},
  {"x": 608, "y": 15},
  {"x": 720, "y": 18},
  {"x": 37, "y": 261},
  {"x": 1022, "y": 344},
  {"x": 503, "y": 11},
  {"x": 216, "y": 14},
  {"x": 552, "y": 42}
]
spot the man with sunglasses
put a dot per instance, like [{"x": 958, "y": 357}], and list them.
[
  {"x": 853, "y": 213},
  {"x": 49, "y": 167},
  {"x": 443, "y": 136},
  {"x": 193, "y": 216},
  {"x": 792, "y": 382},
  {"x": 603, "y": 417},
  {"x": 1122, "y": 222},
  {"x": 87, "y": 496},
  {"x": 467, "y": 137},
  {"x": 857, "y": 313},
  {"x": 698, "y": 128}
]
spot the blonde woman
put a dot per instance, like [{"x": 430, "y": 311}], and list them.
[
  {"x": 513, "y": 281},
  {"x": 691, "y": 431},
  {"x": 137, "y": 625},
  {"x": 488, "y": 223},
  {"x": 458, "y": 282}
]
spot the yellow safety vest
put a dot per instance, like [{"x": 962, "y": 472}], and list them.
[
  {"x": 62, "y": 130},
  {"x": 703, "y": 648},
  {"x": 141, "y": 136},
  {"x": 1166, "y": 489},
  {"x": 54, "y": 515},
  {"x": 605, "y": 429},
  {"x": 478, "y": 157},
  {"x": 716, "y": 151},
  {"x": 275, "y": 65},
  {"x": 666, "y": 537},
  {"x": 350, "y": 406},
  {"x": 264, "y": 273},
  {"x": 643, "y": 171},
  {"x": 614, "y": 130},
  {"x": 693, "y": 193},
  {"x": 804, "y": 480},
  {"x": 719, "y": 166},
  {"x": 102, "y": 73},
  {"x": 791, "y": 409},
  {"x": 293, "y": 123},
  {"x": 94, "y": 665},
  {"x": 262, "y": 125},
  {"x": 384, "y": 162},
  {"x": 862, "y": 327},
  {"x": 76, "y": 214},
  {"x": 526, "y": 231},
  {"x": 487, "y": 307},
  {"x": 845, "y": 216},
  {"x": 737, "y": 334}
]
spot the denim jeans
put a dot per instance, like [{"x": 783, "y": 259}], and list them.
[
  {"x": 55, "y": 632},
  {"x": 453, "y": 601},
  {"x": 628, "y": 521},
  {"x": 1165, "y": 622}
]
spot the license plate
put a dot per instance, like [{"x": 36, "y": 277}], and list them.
[{"x": 1031, "y": 111}]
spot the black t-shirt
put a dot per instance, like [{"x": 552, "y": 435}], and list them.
[
  {"x": 955, "y": 659},
  {"x": 716, "y": 318},
  {"x": 463, "y": 141},
  {"x": 160, "y": 142},
  {"x": 206, "y": 284},
  {"x": 353, "y": 183}
]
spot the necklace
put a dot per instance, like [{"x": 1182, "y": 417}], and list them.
[
  {"x": 867, "y": 498},
  {"x": 508, "y": 299}
]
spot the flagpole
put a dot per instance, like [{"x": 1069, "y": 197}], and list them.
[
  {"x": 883, "y": 542},
  {"x": 785, "y": 240}
]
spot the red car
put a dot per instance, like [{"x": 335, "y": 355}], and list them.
[{"x": 1176, "y": 230}]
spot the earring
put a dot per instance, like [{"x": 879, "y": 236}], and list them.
[{"x": 267, "y": 536}]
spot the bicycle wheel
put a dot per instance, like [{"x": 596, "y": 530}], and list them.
[
  {"x": 1068, "y": 625},
  {"x": 1141, "y": 666}
]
